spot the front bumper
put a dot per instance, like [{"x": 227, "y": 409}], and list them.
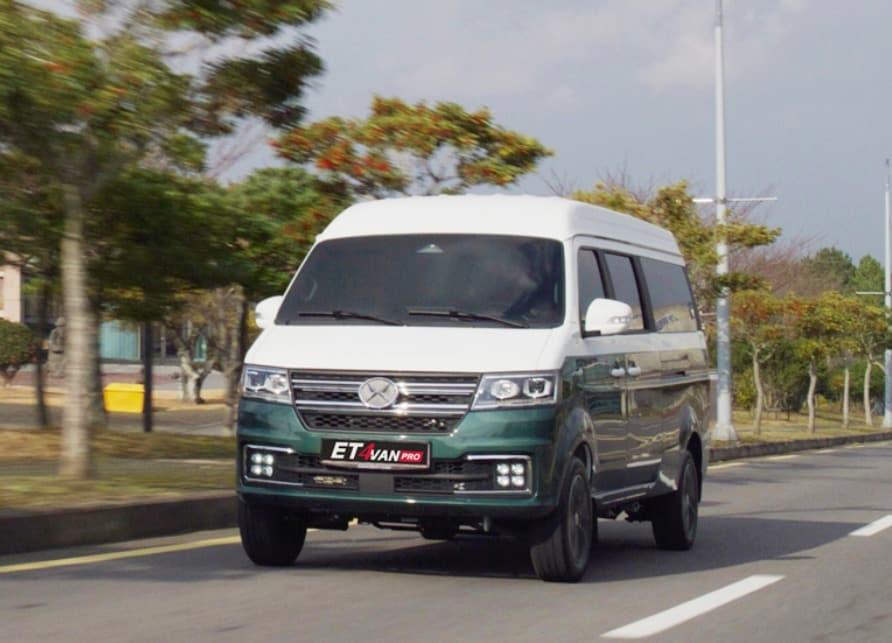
[{"x": 516, "y": 432}]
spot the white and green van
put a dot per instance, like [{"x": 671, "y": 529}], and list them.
[{"x": 512, "y": 365}]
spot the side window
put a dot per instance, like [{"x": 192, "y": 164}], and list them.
[
  {"x": 625, "y": 286},
  {"x": 670, "y": 296},
  {"x": 591, "y": 286}
]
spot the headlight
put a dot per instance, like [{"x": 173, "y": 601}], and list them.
[
  {"x": 270, "y": 384},
  {"x": 529, "y": 389}
]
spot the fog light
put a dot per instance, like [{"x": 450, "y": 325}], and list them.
[
  {"x": 257, "y": 458},
  {"x": 502, "y": 469},
  {"x": 518, "y": 481},
  {"x": 256, "y": 470},
  {"x": 517, "y": 469},
  {"x": 268, "y": 472},
  {"x": 268, "y": 459},
  {"x": 503, "y": 481}
]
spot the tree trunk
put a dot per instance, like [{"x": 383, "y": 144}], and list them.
[
  {"x": 148, "y": 353},
  {"x": 868, "y": 420},
  {"x": 845, "y": 398},
  {"x": 187, "y": 377},
  {"x": 812, "y": 385},
  {"x": 191, "y": 378},
  {"x": 233, "y": 372},
  {"x": 760, "y": 394},
  {"x": 43, "y": 305},
  {"x": 75, "y": 461},
  {"x": 198, "y": 384}
]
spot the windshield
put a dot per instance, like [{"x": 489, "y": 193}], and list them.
[{"x": 430, "y": 280}]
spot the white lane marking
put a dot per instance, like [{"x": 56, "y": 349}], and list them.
[
  {"x": 776, "y": 458},
  {"x": 874, "y": 528},
  {"x": 691, "y": 609}
]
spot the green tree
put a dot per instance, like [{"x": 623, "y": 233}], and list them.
[
  {"x": 281, "y": 211},
  {"x": 832, "y": 268},
  {"x": 84, "y": 109},
  {"x": 88, "y": 108},
  {"x": 817, "y": 325},
  {"x": 868, "y": 277},
  {"x": 404, "y": 149},
  {"x": 18, "y": 347},
  {"x": 275, "y": 216},
  {"x": 868, "y": 330},
  {"x": 758, "y": 321},
  {"x": 672, "y": 207},
  {"x": 30, "y": 237}
]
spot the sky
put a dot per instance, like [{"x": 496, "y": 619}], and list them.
[{"x": 628, "y": 85}]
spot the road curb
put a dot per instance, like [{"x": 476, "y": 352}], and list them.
[
  {"x": 26, "y": 531},
  {"x": 742, "y": 451}
]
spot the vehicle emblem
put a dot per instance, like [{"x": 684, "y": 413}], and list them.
[{"x": 378, "y": 393}]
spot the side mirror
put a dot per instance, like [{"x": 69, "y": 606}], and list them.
[
  {"x": 266, "y": 311},
  {"x": 606, "y": 317}
]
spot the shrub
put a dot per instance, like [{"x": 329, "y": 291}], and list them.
[{"x": 18, "y": 347}]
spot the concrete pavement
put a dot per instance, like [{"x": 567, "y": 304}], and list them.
[{"x": 776, "y": 560}]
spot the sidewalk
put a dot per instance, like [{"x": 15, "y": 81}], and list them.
[
  {"x": 164, "y": 377},
  {"x": 199, "y": 420},
  {"x": 18, "y": 409}
]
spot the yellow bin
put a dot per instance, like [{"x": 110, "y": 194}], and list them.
[{"x": 123, "y": 398}]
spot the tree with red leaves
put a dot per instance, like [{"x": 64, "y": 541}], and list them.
[{"x": 420, "y": 149}]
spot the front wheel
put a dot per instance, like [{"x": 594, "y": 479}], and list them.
[
  {"x": 562, "y": 543},
  {"x": 270, "y": 536},
  {"x": 675, "y": 517}
]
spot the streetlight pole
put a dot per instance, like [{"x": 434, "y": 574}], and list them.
[
  {"x": 887, "y": 291},
  {"x": 724, "y": 429}
]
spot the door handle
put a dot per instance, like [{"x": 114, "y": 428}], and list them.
[
  {"x": 617, "y": 372},
  {"x": 634, "y": 371}
]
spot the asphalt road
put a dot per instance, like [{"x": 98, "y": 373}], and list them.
[{"x": 776, "y": 560}]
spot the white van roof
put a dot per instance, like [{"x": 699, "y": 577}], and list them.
[{"x": 526, "y": 216}]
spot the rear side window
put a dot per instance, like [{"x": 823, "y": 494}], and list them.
[
  {"x": 670, "y": 296},
  {"x": 625, "y": 286},
  {"x": 591, "y": 285}
]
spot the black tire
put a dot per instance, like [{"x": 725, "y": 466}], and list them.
[
  {"x": 675, "y": 518},
  {"x": 271, "y": 537},
  {"x": 561, "y": 545}
]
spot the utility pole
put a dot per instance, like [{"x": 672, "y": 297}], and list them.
[
  {"x": 887, "y": 288},
  {"x": 887, "y": 296},
  {"x": 724, "y": 428}
]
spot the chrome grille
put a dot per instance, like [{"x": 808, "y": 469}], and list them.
[{"x": 328, "y": 401}]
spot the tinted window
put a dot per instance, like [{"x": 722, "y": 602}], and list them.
[
  {"x": 670, "y": 296},
  {"x": 418, "y": 280},
  {"x": 625, "y": 286},
  {"x": 591, "y": 286}
]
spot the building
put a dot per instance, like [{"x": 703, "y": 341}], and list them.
[{"x": 10, "y": 293}]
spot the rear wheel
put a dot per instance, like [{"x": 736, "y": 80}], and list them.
[
  {"x": 675, "y": 515},
  {"x": 270, "y": 536},
  {"x": 562, "y": 543}
]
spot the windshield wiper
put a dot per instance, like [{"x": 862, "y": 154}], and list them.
[
  {"x": 350, "y": 314},
  {"x": 464, "y": 315}
]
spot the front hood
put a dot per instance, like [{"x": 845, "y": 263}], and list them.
[{"x": 404, "y": 348}]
